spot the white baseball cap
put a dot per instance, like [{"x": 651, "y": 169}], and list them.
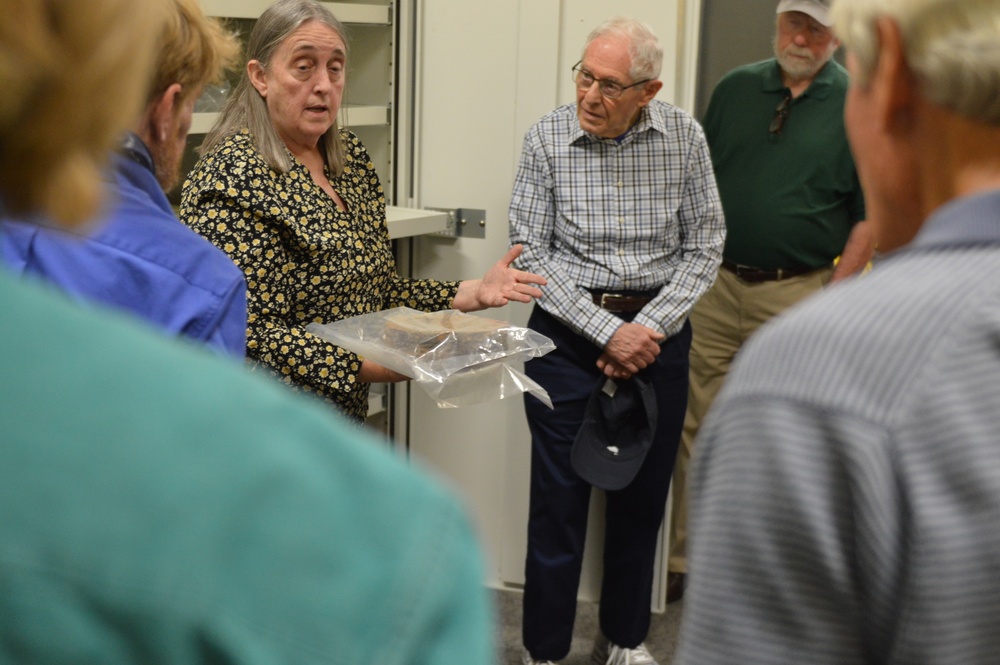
[{"x": 818, "y": 9}]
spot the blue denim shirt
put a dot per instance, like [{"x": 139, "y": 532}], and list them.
[{"x": 141, "y": 259}]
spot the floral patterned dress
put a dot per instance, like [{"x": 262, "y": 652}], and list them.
[{"x": 305, "y": 260}]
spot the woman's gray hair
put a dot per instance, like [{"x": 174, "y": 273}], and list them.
[
  {"x": 644, "y": 47},
  {"x": 952, "y": 47},
  {"x": 247, "y": 109}
]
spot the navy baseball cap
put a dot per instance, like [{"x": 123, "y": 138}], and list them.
[{"x": 616, "y": 434}]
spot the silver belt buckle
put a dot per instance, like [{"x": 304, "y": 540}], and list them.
[{"x": 604, "y": 299}]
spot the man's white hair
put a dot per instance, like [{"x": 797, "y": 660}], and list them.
[
  {"x": 952, "y": 47},
  {"x": 644, "y": 47}
]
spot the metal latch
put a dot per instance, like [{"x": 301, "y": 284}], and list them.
[{"x": 463, "y": 223}]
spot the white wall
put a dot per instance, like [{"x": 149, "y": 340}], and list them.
[{"x": 487, "y": 71}]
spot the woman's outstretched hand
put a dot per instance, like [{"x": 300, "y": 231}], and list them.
[{"x": 500, "y": 285}]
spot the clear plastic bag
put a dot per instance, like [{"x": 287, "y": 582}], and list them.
[{"x": 458, "y": 359}]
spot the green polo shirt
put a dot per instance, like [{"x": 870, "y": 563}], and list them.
[{"x": 790, "y": 199}]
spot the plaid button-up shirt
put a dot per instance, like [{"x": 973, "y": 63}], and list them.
[{"x": 638, "y": 213}]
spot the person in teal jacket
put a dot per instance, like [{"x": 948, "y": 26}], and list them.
[{"x": 162, "y": 505}]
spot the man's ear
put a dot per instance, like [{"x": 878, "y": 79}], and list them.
[
  {"x": 649, "y": 90},
  {"x": 162, "y": 113},
  {"x": 893, "y": 83},
  {"x": 258, "y": 78}
]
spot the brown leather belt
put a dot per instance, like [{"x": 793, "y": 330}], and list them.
[
  {"x": 753, "y": 275},
  {"x": 619, "y": 302}
]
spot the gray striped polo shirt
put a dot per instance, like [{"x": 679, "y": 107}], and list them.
[{"x": 846, "y": 492}]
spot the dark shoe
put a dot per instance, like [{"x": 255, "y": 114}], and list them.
[{"x": 676, "y": 582}]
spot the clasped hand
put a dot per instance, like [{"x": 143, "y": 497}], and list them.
[{"x": 632, "y": 348}]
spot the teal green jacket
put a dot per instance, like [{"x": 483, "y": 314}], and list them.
[{"x": 161, "y": 505}]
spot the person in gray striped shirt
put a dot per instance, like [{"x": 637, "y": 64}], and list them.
[{"x": 846, "y": 492}]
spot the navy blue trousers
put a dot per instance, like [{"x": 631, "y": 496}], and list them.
[{"x": 560, "y": 499}]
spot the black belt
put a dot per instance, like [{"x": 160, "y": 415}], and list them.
[
  {"x": 618, "y": 302},
  {"x": 757, "y": 275}
]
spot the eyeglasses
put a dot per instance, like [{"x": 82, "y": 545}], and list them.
[
  {"x": 780, "y": 115},
  {"x": 610, "y": 89}
]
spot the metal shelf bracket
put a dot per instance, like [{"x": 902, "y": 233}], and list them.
[{"x": 463, "y": 223}]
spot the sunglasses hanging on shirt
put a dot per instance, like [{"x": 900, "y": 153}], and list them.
[{"x": 780, "y": 115}]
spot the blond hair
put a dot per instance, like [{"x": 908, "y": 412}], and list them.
[
  {"x": 194, "y": 50},
  {"x": 73, "y": 74},
  {"x": 952, "y": 47}
]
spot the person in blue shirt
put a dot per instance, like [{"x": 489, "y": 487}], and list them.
[{"x": 140, "y": 258}]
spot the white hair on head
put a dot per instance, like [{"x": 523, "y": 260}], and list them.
[
  {"x": 952, "y": 47},
  {"x": 644, "y": 47}
]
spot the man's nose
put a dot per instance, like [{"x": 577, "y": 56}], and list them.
[{"x": 593, "y": 93}]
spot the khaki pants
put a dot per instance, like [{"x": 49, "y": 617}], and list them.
[{"x": 722, "y": 321}]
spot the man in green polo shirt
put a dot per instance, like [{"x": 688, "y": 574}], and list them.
[{"x": 792, "y": 202}]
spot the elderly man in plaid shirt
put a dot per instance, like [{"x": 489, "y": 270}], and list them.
[{"x": 615, "y": 204}]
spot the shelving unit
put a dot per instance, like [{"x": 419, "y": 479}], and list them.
[
  {"x": 368, "y": 107},
  {"x": 368, "y": 99},
  {"x": 352, "y": 116},
  {"x": 366, "y": 12}
]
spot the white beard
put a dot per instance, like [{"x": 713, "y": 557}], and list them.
[{"x": 801, "y": 68}]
